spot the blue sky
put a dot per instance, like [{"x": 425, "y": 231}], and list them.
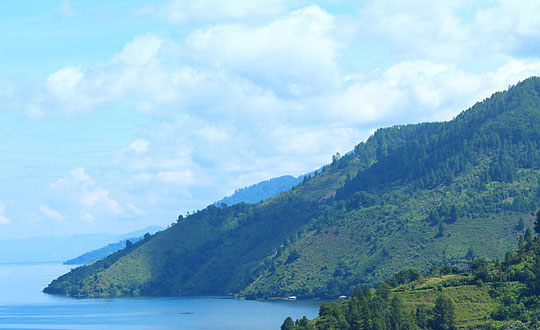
[{"x": 115, "y": 115}]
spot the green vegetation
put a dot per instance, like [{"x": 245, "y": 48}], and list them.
[
  {"x": 480, "y": 295},
  {"x": 413, "y": 196}
]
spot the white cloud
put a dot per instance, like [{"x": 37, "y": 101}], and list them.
[
  {"x": 141, "y": 51},
  {"x": 51, "y": 213},
  {"x": 244, "y": 69},
  {"x": 139, "y": 146},
  {"x": 64, "y": 81},
  {"x": 78, "y": 195},
  {"x": 3, "y": 218},
  {"x": 76, "y": 178},
  {"x": 293, "y": 55},
  {"x": 235, "y": 102},
  {"x": 136, "y": 73},
  {"x": 99, "y": 199},
  {"x": 456, "y": 30}
]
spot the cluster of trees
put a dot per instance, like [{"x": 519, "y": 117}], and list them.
[
  {"x": 520, "y": 301},
  {"x": 378, "y": 309},
  {"x": 514, "y": 282}
]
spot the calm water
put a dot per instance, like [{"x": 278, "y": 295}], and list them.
[{"x": 23, "y": 306}]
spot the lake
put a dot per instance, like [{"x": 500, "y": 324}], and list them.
[{"x": 24, "y": 306}]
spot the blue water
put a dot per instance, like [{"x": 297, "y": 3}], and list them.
[{"x": 23, "y": 306}]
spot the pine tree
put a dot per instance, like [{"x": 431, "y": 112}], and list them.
[
  {"x": 422, "y": 317},
  {"x": 443, "y": 314},
  {"x": 288, "y": 324},
  {"x": 529, "y": 236},
  {"x": 537, "y": 223}
]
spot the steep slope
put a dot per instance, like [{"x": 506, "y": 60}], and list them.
[
  {"x": 480, "y": 295},
  {"x": 261, "y": 191},
  {"x": 410, "y": 196}
]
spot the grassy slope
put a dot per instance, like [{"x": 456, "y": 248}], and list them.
[
  {"x": 473, "y": 303},
  {"x": 377, "y": 242}
]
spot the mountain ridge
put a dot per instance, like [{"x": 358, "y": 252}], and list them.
[{"x": 410, "y": 196}]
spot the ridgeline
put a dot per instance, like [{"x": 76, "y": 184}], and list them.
[{"x": 411, "y": 196}]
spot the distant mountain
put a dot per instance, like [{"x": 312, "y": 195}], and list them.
[
  {"x": 141, "y": 232},
  {"x": 411, "y": 196},
  {"x": 261, "y": 191},
  {"x": 59, "y": 248},
  {"x": 105, "y": 251}
]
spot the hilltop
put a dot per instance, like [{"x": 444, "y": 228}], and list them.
[{"x": 411, "y": 196}]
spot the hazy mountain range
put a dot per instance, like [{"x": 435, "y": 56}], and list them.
[{"x": 60, "y": 248}]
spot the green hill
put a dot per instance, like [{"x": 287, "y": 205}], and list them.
[
  {"x": 480, "y": 295},
  {"x": 411, "y": 196}
]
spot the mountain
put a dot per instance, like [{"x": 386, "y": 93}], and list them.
[
  {"x": 411, "y": 196},
  {"x": 141, "y": 232},
  {"x": 482, "y": 294},
  {"x": 105, "y": 251},
  {"x": 50, "y": 249},
  {"x": 58, "y": 248},
  {"x": 261, "y": 191}
]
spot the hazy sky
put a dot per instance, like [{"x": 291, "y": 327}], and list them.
[{"x": 119, "y": 114}]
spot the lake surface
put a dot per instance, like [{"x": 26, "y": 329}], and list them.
[{"x": 23, "y": 306}]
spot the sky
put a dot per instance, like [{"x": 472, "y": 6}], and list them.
[{"x": 116, "y": 115}]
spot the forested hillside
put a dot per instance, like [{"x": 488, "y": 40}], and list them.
[
  {"x": 482, "y": 294},
  {"x": 411, "y": 196}
]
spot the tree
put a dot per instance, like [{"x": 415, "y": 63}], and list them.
[
  {"x": 443, "y": 314},
  {"x": 521, "y": 224},
  {"x": 537, "y": 223},
  {"x": 470, "y": 254},
  {"x": 302, "y": 323},
  {"x": 440, "y": 232},
  {"x": 384, "y": 290},
  {"x": 288, "y": 324},
  {"x": 452, "y": 217},
  {"x": 336, "y": 157},
  {"x": 422, "y": 317},
  {"x": 529, "y": 236},
  {"x": 399, "y": 316}
]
